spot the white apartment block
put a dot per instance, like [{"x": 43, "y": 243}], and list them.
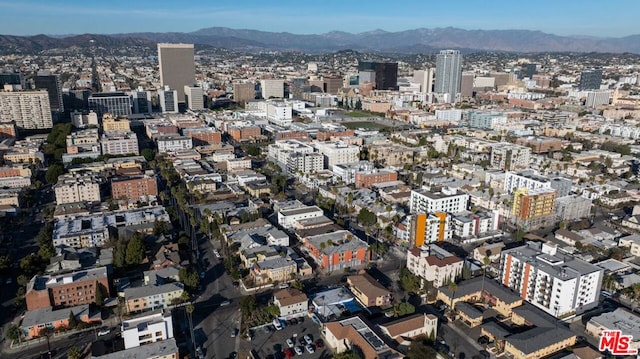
[
  {"x": 347, "y": 172},
  {"x": 281, "y": 150},
  {"x": 506, "y": 156},
  {"x": 596, "y": 98},
  {"x": 238, "y": 164},
  {"x": 560, "y": 285},
  {"x": 288, "y": 218},
  {"x": 474, "y": 224},
  {"x": 633, "y": 242},
  {"x": 146, "y": 329},
  {"x": 434, "y": 264},
  {"x": 291, "y": 302},
  {"x": 446, "y": 200},
  {"x": 77, "y": 187},
  {"x": 336, "y": 153},
  {"x": 82, "y": 120},
  {"x": 15, "y": 182},
  {"x": 194, "y": 98},
  {"x": 29, "y": 109},
  {"x": 305, "y": 163},
  {"x": 487, "y": 120},
  {"x": 626, "y": 131},
  {"x": 173, "y": 143},
  {"x": 451, "y": 115},
  {"x": 570, "y": 208},
  {"x": 272, "y": 88},
  {"x": 280, "y": 113},
  {"x": 152, "y": 297},
  {"x": 119, "y": 143},
  {"x": 524, "y": 179},
  {"x": 168, "y": 100}
]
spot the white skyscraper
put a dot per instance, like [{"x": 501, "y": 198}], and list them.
[
  {"x": 448, "y": 74},
  {"x": 425, "y": 79},
  {"x": 29, "y": 109},
  {"x": 273, "y": 88},
  {"x": 168, "y": 100},
  {"x": 194, "y": 97}
]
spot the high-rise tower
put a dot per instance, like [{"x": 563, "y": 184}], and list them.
[
  {"x": 448, "y": 74},
  {"x": 177, "y": 67}
]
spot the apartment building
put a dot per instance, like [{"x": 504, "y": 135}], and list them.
[
  {"x": 147, "y": 328},
  {"x": 474, "y": 225},
  {"x": 367, "y": 179},
  {"x": 337, "y": 250},
  {"x": 173, "y": 143},
  {"x": 203, "y": 136},
  {"x": 353, "y": 332},
  {"x": 487, "y": 120},
  {"x": 77, "y": 187},
  {"x": 336, "y": 153},
  {"x": 29, "y": 110},
  {"x": 509, "y": 157},
  {"x": 619, "y": 319},
  {"x": 115, "y": 103},
  {"x": 278, "y": 269},
  {"x": 440, "y": 200},
  {"x": 574, "y": 207},
  {"x": 558, "y": 284},
  {"x": 134, "y": 187},
  {"x": 165, "y": 349},
  {"x": 83, "y": 141},
  {"x": 35, "y": 321},
  {"x": 413, "y": 326},
  {"x": 533, "y": 208},
  {"x": 119, "y": 143},
  {"x": 291, "y": 302},
  {"x": 194, "y": 97},
  {"x": 281, "y": 150},
  {"x": 152, "y": 297},
  {"x": 369, "y": 291},
  {"x": 66, "y": 290},
  {"x": 244, "y": 133},
  {"x": 272, "y": 88},
  {"x": 430, "y": 228},
  {"x": 83, "y": 120},
  {"x": 289, "y": 217},
  {"x": 115, "y": 123},
  {"x": 305, "y": 163},
  {"x": 434, "y": 264}
]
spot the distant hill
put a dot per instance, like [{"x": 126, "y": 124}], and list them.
[{"x": 409, "y": 41}]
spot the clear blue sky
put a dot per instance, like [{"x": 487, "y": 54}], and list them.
[{"x": 562, "y": 17}]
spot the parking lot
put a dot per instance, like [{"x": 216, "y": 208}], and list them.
[{"x": 273, "y": 344}]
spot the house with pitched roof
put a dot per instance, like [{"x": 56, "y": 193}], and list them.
[{"x": 434, "y": 264}]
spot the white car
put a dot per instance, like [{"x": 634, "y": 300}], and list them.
[
  {"x": 216, "y": 253},
  {"x": 310, "y": 349},
  {"x": 307, "y": 339},
  {"x": 104, "y": 331},
  {"x": 290, "y": 343},
  {"x": 298, "y": 350}
]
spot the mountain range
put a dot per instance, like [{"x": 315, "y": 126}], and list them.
[{"x": 410, "y": 41}]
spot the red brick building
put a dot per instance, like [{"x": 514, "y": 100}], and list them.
[
  {"x": 326, "y": 135},
  {"x": 368, "y": 179},
  {"x": 203, "y": 136},
  {"x": 133, "y": 187},
  {"x": 66, "y": 290},
  {"x": 7, "y": 130},
  {"x": 244, "y": 133}
]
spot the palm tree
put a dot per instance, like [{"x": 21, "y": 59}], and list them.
[
  {"x": 608, "y": 282},
  {"x": 452, "y": 287},
  {"x": 486, "y": 262},
  {"x": 189, "y": 309}
]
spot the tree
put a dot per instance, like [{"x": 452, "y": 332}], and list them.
[
  {"x": 160, "y": 227},
  {"x": 366, "y": 217},
  {"x": 13, "y": 332},
  {"x": 273, "y": 310},
  {"x": 408, "y": 281},
  {"x": 73, "y": 321},
  {"x": 135, "y": 252},
  {"x": 349, "y": 354},
  {"x": 148, "y": 154},
  {"x": 452, "y": 287},
  {"x": 189, "y": 278},
  {"x": 74, "y": 353},
  {"x": 53, "y": 172},
  {"x": 101, "y": 293}
]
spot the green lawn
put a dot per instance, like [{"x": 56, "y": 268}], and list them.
[
  {"x": 358, "y": 114},
  {"x": 364, "y": 124}
]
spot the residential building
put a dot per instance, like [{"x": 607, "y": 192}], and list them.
[
  {"x": 369, "y": 291},
  {"x": 425, "y": 79},
  {"x": 487, "y": 120},
  {"x": 115, "y": 123},
  {"x": 491, "y": 251},
  {"x": 337, "y": 250},
  {"x": 620, "y": 319},
  {"x": 134, "y": 187},
  {"x": 434, "y": 264},
  {"x": 281, "y": 150},
  {"x": 29, "y": 110},
  {"x": 574, "y": 207},
  {"x": 288, "y": 218},
  {"x": 168, "y": 99},
  {"x": 166, "y": 349},
  {"x": 173, "y": 143},
  {"x": 7, "y": 130},
  {"x": 524, "y": 179},
  {"x": 430, "y": 228},
  {"x": 305, "y": 163},
  {"x": 631, "y": 241},
  {"x": 272, "y": 88},
  {"x": 147, "y": 328},
  {"x": 244, "y": 133},
  {"x": 367, "y": 179},
  {"x": 82, "y": 120},
  {"x": 141, "y": 101},
  {"x": 35, "y": 321},
  {"x": 203, "y": 136},
  {"x": 194, "y": 97},
  {"x": 337, "y": 153},
  {"x": 470, "y": 226},
  {"x": 443, "y": 200},
  {"x": 115, "y": 103},
  {"x": 243, "y": 92},
  {"x": 597, "y": 98},
  {"x": 413, "y": 326},
  {"x": 448, "y": 74},
  {"x": 77, "y": 187},
  {"x": 533, "y": 208},
  {"x": 354, "y": 332},
  {"x": 119, "y": 143},
  {"x": 558, "y": 284},
  {"x": 177, "y": 67},
  {"x": 280, "y": 113},
  {"x": 66, "y": 290},
  {"x": 509, "y": 157},
  {"x": 152, "y": 297},
  {"x": 291, "y": 302},
  {"x": 278, "y": 270}
]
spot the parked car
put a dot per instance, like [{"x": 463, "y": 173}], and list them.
[
  {"x": 298, "y": 350},
  {"x": 234, "y": 332},
  {"x": 310, "y": 349},
  {"x": 277, "y": 324},
  {"x": 226, "y": 302},
  {"x": 103, "y": 331},
  {"x": 307, "y": 339},
  {"x": 9, "y": 281},
  {"x": 290, "y": 343}
]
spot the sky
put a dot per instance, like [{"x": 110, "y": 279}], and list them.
[{"x": 561, "y": 17}]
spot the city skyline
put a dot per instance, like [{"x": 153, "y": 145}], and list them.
[{"x": 590, "y": 18}]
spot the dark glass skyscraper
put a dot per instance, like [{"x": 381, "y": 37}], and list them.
[
  {"x": 386, "y": 73},
  {"x": 52, "y": 84},
  {"x": 590, "y": 79}
]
